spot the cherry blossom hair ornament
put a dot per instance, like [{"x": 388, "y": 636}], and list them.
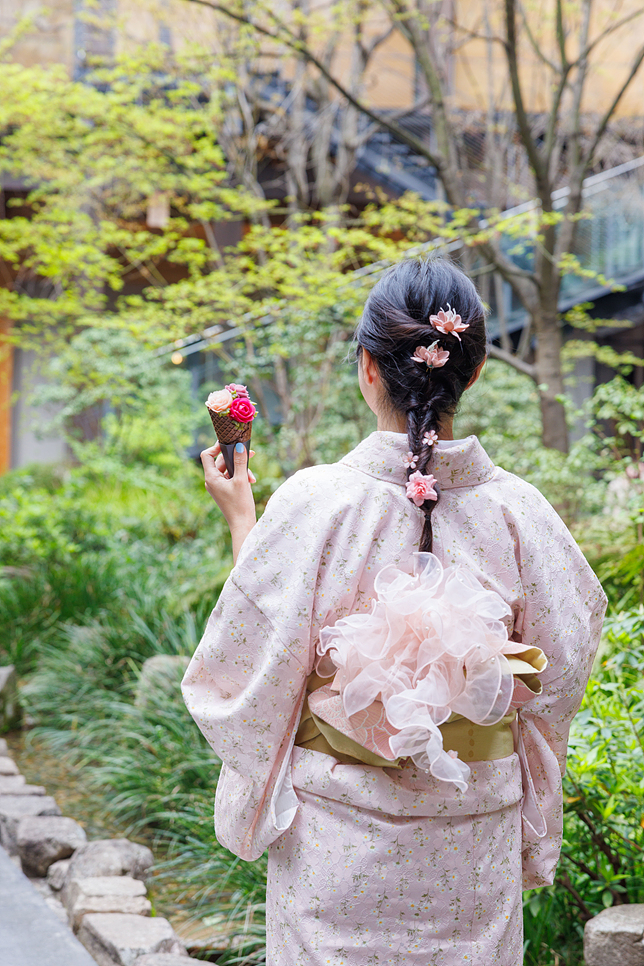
[
  {"x": 432, "y": 357},
  {"x": 405, "y": 323},
  {"x": 449, "y": 322}
]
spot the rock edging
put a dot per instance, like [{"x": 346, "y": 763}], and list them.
[{"x": 97, "y": 888}]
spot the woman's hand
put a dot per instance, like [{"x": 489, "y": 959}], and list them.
[{"x": 233, "y": 497}]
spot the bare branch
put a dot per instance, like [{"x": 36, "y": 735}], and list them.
[
  {"x": 535, "y": 46},
  {"x": 609, "y": 30},
  {"x": 511, "y": 50},
  {"x": 599, "y": 133},
  {"x": 561, "y": 36},
  {"x": 369, "y": 49},
  {"x": 513, "y": 360},
  {"x": 290, "y": 40},
  {"x": 405, "y": 111},
  {"x": 586, "y": 914},
  {"x": 446, "y": 156},
  {"x": 473, "y": 34}
]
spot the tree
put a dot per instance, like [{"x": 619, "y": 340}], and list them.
[
  {"x": 78, "y": 256},
  {"x": 100, "y": 162},
  {"x": 558, "y": 144}
]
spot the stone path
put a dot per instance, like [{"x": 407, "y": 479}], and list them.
[{"x": 30, "y": 932}]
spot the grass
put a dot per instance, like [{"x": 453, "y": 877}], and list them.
[{"x": 81, "y": 616}]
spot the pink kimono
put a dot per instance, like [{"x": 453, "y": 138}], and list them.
[{"x": 372, "y": 865}]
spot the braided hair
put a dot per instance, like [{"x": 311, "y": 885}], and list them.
[{"x": 395, "y": 321}]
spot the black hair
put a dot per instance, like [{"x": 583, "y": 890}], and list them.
[{"x": 395, "y": 321}]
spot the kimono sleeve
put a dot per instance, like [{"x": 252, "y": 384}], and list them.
[
  {"x": 563, "y": 615},
  {"x": 246, "y": 683}
]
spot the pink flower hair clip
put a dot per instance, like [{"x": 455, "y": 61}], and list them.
[
  {"x": 430, "y": 438},
  {"x": 432, "y": 357},
  {"x": 449, "y": 322},
  {"x": 421, "y": 488},
  {"x": 410, "y": 460}
]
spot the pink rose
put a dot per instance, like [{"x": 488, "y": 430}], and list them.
[
  {"x": 421, "y": 488},
  {"x": 449, "y": 322},
  {"x": 242, "y": 410},
  {"x": 219, "y": 401},
  {"x": 238, "y": 390}
]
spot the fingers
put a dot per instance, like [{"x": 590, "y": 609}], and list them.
[
  {"x": 240, "y": 457},
  {"x": 208, "y": 456},
  {"x": 215, "y": 471}
]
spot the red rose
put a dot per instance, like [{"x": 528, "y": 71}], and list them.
[{"x": 242, "y": 410}]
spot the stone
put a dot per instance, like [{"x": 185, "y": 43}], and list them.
[
  {"x": 615, "y": 937},
  {"x": 166, "y": 959},
  {"x": 8, "y": 766},
  {"x": 9, "y": 704},
  {"x": 121, "y": 939},
  {"x": 102, "y": 885},
  {"x": 4, "y": 748},
  {"x": 42, "y": 840},
  {"x": 109, "y": 893},
  {"x": 56, "y": 874},
  {"x": 159, "y": 675},
  {"x": 200, "y": 938},
  {"x": 110, "y": 857},
  {"x": 13, "y": 808},
  {"x": 15, "y": 785}
]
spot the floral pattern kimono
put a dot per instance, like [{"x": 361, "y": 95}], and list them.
[{"x": 374, "y": 865}]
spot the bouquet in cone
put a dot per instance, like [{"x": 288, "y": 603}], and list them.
[{"x": 232, "y": 414}]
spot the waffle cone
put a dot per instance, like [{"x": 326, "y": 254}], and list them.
[{"x": 228, "y": 430}]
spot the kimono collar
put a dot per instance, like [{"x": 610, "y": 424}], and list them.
[{"x": 464, "y": 463}]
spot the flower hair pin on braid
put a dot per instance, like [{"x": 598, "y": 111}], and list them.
[
  {"x": 410, "y": 460},
  {"x": 430, "y": 438},
  {"x": 432, "y": 357},
  {"x": 449, "y": 322},
  {"x": 421, "y": 488}
]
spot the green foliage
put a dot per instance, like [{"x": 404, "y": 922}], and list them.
[
  {"x": 622, "y": 405},
  {"x": 36, "y": 527},
  {"x": 99, "y": 155},
  {"x": 603, "y": 849},
  {"x": 148, "y": 415},
  {"x": 502, "y": 409},
  {"x": 300, "y": 363}
]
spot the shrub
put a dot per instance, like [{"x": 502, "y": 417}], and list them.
[{"x": 602, "y": 860}]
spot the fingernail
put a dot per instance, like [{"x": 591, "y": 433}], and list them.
[{"x": 239, "y": 447}]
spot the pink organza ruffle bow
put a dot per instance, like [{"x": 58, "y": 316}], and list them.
[{"x": 434, "y": 644}]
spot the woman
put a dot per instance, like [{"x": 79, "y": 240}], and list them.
[{"x": 373, "y": 860}]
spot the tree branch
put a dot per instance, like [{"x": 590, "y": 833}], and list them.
[
  {"x": 599, "y": 133},
  {"x": 290, "y": 40},
  {"x": 535, "y": 46},
  {"x": 474, "y": 34},
  {"x": 561, "y": 37},
  {"x": 512, "y": 360},
  {"x": 511, "y": 50},
  {"x": 564, "y": 878},
  {"x": 448, "y": 167},
  {"x": 609, "y": 30}
]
